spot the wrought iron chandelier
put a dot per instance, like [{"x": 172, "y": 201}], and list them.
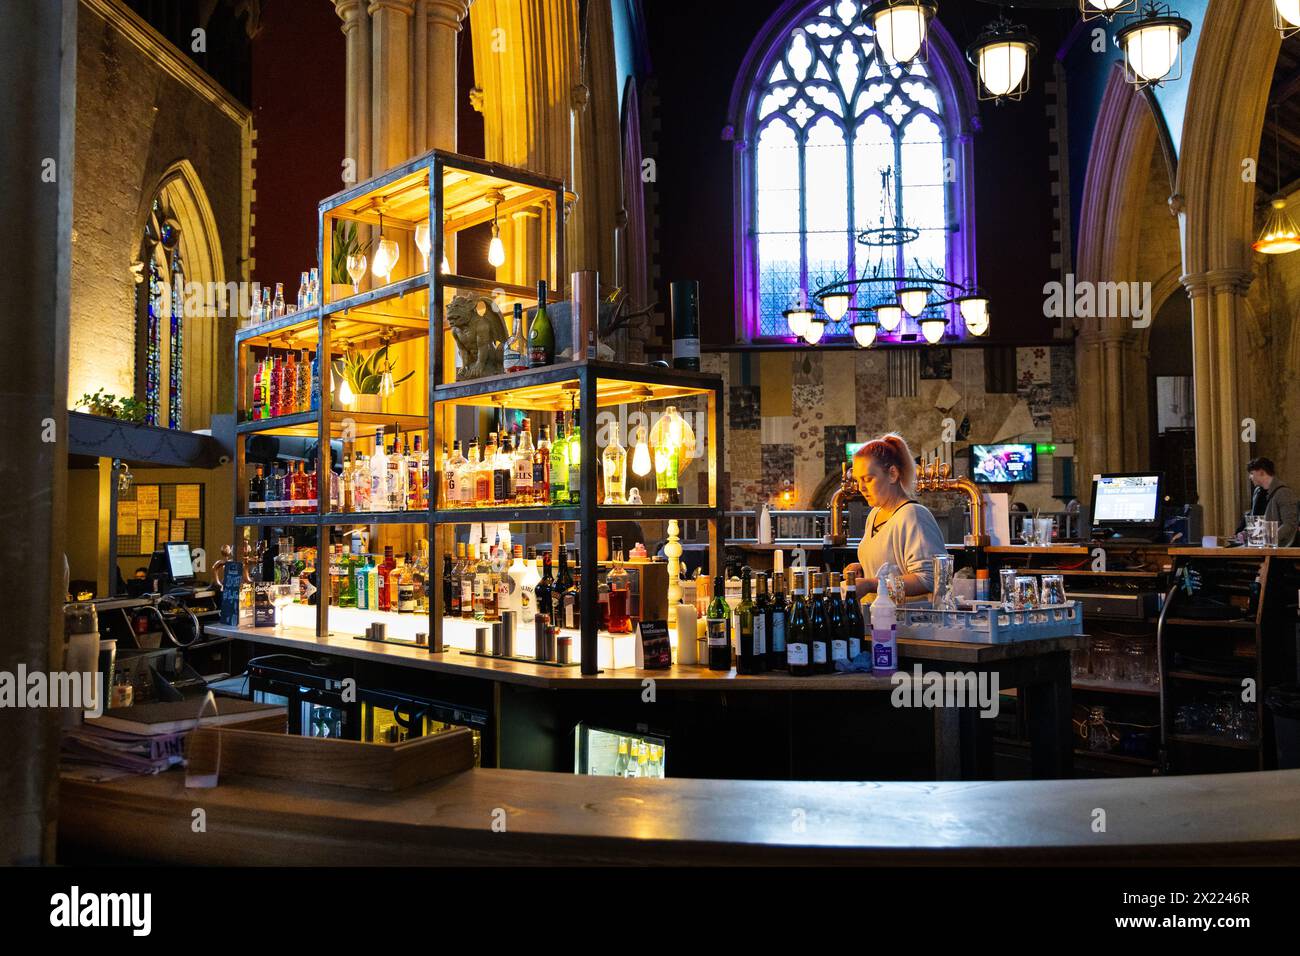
[{"x": 880, "y": 298}]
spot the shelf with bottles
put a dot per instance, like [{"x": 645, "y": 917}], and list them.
[
  {"x": 376, "y": 574},
  {"x": 378, "y": 239},
  {"x": 298, "y": 328},
  {"x": 278, "y": 386}
]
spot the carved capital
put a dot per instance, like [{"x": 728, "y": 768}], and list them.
[
  {"x": 350, "y": 12},
  {"x": 403, "y": 7},
  {"x": 476, "y": 98},
  {"x": 448, "y": 14},
  {"x": 1217, "y": 281}
]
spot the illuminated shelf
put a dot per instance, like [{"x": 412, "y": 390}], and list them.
[
  {"x": 393, "y": 290},
  {"x": 375, "y": 517},
  {"x": 286, "y": 325},
  {"x": 306, "y": 424},
  {"x": 281, "y": 424},
  {"x": 276, "y": 521},
  {"x": 552, "y": 389}
]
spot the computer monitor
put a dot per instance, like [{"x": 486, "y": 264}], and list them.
[
  {"x": 179, "y": 563},
  {"x": 1127, "y": 505}
]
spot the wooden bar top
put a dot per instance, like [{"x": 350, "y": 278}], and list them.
[
  {"x": 557, "y": 819},
  {"x": 1240, "y": 552},
  {"x": 678, "y": 677}
]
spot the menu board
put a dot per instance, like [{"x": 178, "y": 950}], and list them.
[
  {"x": 172, "y": 512},
  {"x": 146, "y": 502},
  {"x": 187, "y": 502},
  {"x": 178, "y": 531}
]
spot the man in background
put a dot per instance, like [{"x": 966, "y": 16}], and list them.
[{"x": 1278, "y": 500}]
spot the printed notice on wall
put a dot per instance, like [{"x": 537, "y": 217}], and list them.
[
  {"x": 164, "y": 520},
  {"x": 146, "y": 502},
  {"x": 126, "y": 517},
  {"x": 178, "y": 531},
  {"x": 147, "y": 537},
  {"x": 187, "y": 502}
]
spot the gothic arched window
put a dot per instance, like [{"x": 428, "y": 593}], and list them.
[
  {"x": 818, "y": 115},
  {"x": 160, "y": 361}
]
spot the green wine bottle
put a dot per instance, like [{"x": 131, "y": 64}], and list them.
[{"x": 541, "y": 336}]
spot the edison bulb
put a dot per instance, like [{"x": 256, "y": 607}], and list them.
[
  {"x": 345, "y": 393},
  {"x": 641, "y": 454},
  {"x": 496, "y": 251}
]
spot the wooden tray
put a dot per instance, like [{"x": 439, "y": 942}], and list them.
[{"x": 344, "y": 763}]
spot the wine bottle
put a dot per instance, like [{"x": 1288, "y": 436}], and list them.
[
  {"x": 798, "y": 646},
  {"x": 749, "y": 653},
  {"x": 839, "y": 646},
  {"x": 718, "y": 623},
  {"x": 684, "y": 304},
  {"x": 818, "y": 628},
  {"x": 541, "y": 336},
  {"x": 855, "y": 626},
  {"x": 778, "y": 618}
]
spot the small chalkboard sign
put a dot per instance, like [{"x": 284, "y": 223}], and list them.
[
  {"x": 232, "y": 576},
  {"x": 653, "y": 649}
]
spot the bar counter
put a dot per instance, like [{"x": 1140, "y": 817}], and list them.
[{"x": 558, "y": 819}]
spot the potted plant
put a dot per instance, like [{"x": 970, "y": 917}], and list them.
[
  {"x": 365, "y": 379},
  {"x": 345, "y": 244},
  {"x": 110, "y": 406}
]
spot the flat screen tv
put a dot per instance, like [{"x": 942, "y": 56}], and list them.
[{"x": 1004, "y": 464}]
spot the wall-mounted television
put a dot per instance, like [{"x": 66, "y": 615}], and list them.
[{"x": 1004, "y": 464}]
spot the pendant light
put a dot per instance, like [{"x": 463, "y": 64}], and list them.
[
  {"x": 422, "y": 241},
  {"x": 1286, "y": 17},
  {"x": 1280, "y": 235},
  {"x": 496, "y": 248},
  {"x": 1152, "y": 45},
  {"x": 1001, "y": 56},
  {"x": 386, "y": 384},
  {"x": 934, "y": 328},
  {"x": 798, "y": 319},
  {"x": 890, "y": 317},
  {"x": 1106, "y": 9},
  {"x": 864, "y": 333},
  {"x": 386, "y": 254},
  {"x": 816, "y": 329},
  {"x": 901, "y": 27},
  {"x": 974, "y": 310},
  {"x": 914, "y": 300},
  {"x": 641, "y": 463},
  {"x": 836, "y": 305}
]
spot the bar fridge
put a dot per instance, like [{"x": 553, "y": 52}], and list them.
[{"x": 602, "y": 752}]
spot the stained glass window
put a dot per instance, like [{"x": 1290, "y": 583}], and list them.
[
  {"x": 160, "y": 354},
  {"x": 829, "y": 116}
]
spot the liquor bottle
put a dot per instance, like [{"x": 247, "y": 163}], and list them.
[
  {"x": 277, "y": 305},
  {"x": 277, "y": 387},
  {"x": 621, "y": 760},
  {"x": 496, "y": 594},
  {"x": 302, "y": 386},
  {"x": 515, "y": 357},
  {"x": 420, "y": 578},
  {"x": 482, "y": 475},
  {"x": 362, "y": 572},
  {"x": 684, "y": 304},
  {"x": 372, "y": 582},
  {"x": 313, "y": 491},
  {"x": 384, "y": 571},
  {"x": 313, "y": 287},
  {"x": 271, "y": 493},
  {"x": 395, "y": 481},
  {"x": 619, "y": 593},
  {"x": 304, "y": 300},
  {"x": 254, "y": 411},
  {"x": 565, "y": 594},
  {"x": 415, "y": 477},
  {"x": 855, "y": 627},
  {"x": 559, "y": 467},
  {"x": 798, "y": 644},
  {"x": 468, "y": 581},
  {"x": 541, "y": 337},
  {"x": 515, "y": 577},
  {"x": 450, "y": 587},
  {"x": 614, "y": 468},
  {"x": 763, "y": 622},
  {"x": 839, "y": 645},
  {"x": 718, "y": 623},
  {"x": 314, "y": 379},
  {"x": 573, "y": 455},
  {"x": 289, "y": 400},
  {"x": 545, "y": 588},
  {"x": 528, "y": 588},
  {"x": 379, "y": 474},
  {"x": 453, "y": 474},
  {"x": 503, "y": 465},
  {"x": 360, "y": 482},
  {"x": 483, "y": 584},
  {"x": 818, "y": 631},
  {"x": 522, "y": 482},
  {"x": 777, "y": 625},
  {"x": 257, "y": 493},
  {"x": 406, "y": 586},
  {"x": 750, "y": 653},
  {"x": 542, "y": 469}
]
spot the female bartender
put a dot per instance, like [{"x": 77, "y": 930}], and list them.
[{"x": 899, "y": 530}]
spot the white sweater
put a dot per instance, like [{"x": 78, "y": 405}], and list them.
[{"x": 909, "y": 539}]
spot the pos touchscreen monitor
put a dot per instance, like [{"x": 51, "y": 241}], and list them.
[{"x": 1127, "y": 505}]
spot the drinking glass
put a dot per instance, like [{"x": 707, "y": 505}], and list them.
[
  {"x": 1044, "y": 530},
  {"x": 1255, "y": 531},
  {"x": 1007, "y": 582},
  {"x": 1103, "y": 659},
  {"x": 1026, "y": 590},
  {"x": 1136, "y": 663},
  {"x": 1053, "y": 589},
  {"x": 1270, "y": 533},
  {"x": 356, "y": 269},
  {"x": 1029, "y": 532},
  {"x": 281, "y": 598}
]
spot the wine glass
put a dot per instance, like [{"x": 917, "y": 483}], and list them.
[
  {"x": 422, "y": 242},
  {"x": 356, "y": 269}
]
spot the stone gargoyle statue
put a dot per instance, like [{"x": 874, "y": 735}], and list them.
[{"x": 479, "y": 330}]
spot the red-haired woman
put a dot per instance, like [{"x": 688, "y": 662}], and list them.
[{"x": 899, "y": 530}]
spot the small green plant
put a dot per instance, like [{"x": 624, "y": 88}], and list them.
[
  {"x": 345, "y": 244},
  {"x": 110, "y": 406},
  {"x": 365, "y": 373}
]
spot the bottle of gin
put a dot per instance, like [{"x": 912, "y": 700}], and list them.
[{"x": 614, "y": 468}]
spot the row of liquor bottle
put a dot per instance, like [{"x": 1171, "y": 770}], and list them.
[
  {"x": 483, "y": 580},
  {"x": 266, "y": 306},
  {"x": 393, "y": 478},
  {"x": 282, "y": 383},
  {"x": 638, "y": 758},
  {"x": 806, "y": 634},
  {"x": 370, "y": 583}
]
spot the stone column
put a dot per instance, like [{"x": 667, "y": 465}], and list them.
[
  {"x": 442, "y": 37},
  {"x": 390, "y": 83},
  {"x": 357, "y": 117},
  {"x": 38, "y": 68},
  {"x": 1218, "y": 307}
]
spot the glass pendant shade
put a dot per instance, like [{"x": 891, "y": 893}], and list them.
[
  {"x": 979, "y": 324},
  {"x": 901, "y": 27},
  {"x": 1280, "y": 234},
  {"x": 914, "y": 301},
  {"x": 446, "y": 265},
  {"x": 816, "y": 329},
  {"x": 1001, "y": 56},
  {"x": 890, "y": 317},
  {"x": 1286, "y": 16},
  {"x": 933, "y": 330},
  {"x": 386, "y": 255},
  {"x": 1151, "y": 47},
  {"x": 670, "y": 436},
  {"x": 798, "y": 320},
  {"x": 1091, "y": 9},
  {"x": 864, "y": 333},
  {"x": 836, "y": 305},
  {"x": 422, "y": 242},
  {"x": 974, "y": 310}
]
